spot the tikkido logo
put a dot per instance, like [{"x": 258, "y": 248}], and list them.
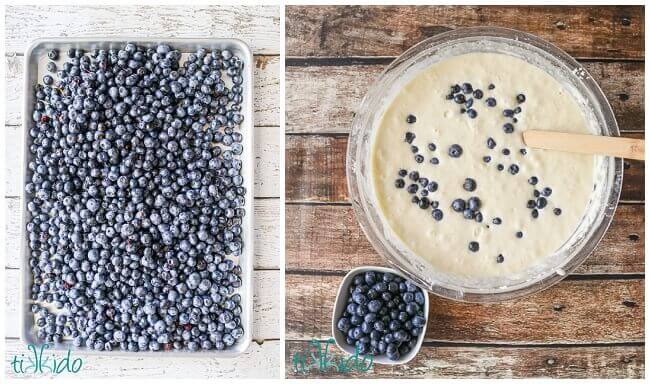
[{"x": 36, "y": 363}]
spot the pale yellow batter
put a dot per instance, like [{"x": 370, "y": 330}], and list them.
[{"x": 445, "y": 243}]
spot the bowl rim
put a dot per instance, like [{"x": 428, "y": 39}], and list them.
[
  {"x": 548, "y": 278},
  {"x": 339, "y": 303}
]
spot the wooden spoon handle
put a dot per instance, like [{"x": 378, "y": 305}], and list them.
[{"x": 590, "y": 144}]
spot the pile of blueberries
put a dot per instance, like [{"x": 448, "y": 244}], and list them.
[
  {"x": 136, "y": 198},
  {"x": 540, "y": 199},
  {"x": 384, "y": 315}
]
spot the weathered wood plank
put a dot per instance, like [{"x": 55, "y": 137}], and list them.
[
  {"x": 316, "y": 165},
  {"x": 266, "y": 231},
  {"x": 493, "y": 362},
  {"x": 583, "y": 31},
  {"x": 266, "y": 304},
  {"x": 571, "y": 312},
  {"x": 267, "y": 160},
  {"x": 258, "y": 25},
  {"x": 259, "y": 361},
  {"x": 324, "y": 98},
  {"x": 312, "y": 229},
  {"x": 266, "y": 90}
]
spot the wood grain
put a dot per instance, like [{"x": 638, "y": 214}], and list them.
[
  {"x": 266, "y": 231},
  {"x": 266, "y": 90},
  {"x": 267, "y": 160},
  {"x": 316, "y": 165},
  {"x": 582, "y": 31},
  {"x": 259, "y": 26},
  {"x": 624, "y": 147},
  {"x": 323, "y": 98},
  {"x": 495, "y": 362},
  {"x": 259, "y": 361},
  {"x": 327, "y": 238},
  {"x": 571, "y": 312}
]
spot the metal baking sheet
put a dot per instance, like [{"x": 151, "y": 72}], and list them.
[{"x": 35, "y": 62}]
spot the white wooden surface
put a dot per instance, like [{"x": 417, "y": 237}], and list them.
[{"x": 259, "y": 26}]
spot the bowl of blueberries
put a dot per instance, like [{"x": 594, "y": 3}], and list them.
[
  {"x": 381, "y": 313},
  {"x": 137, "y": 200}
]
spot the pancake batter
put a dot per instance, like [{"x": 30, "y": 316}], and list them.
[{"x": 454, "y": 179}]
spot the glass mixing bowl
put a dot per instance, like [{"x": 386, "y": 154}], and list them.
[{"x": 574, "y": 78}]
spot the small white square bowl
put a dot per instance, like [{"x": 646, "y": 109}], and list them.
[{"x": 341, "y": 302}]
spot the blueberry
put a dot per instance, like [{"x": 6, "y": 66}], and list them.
[
  {"x": 432, "y": 186},
  {"x": 505, "y": 151},
  {"x": 508, "y": 113},
  {"x": 468, "y": 214},
  {"x": 414, "y": 175},
  {"x": 402, "y": 173},
  {"x": 533, "y": 180},
  {"x": 536, "y": 193},
  {"x": 508, "y": 128},
  {"x": 423, "y": 203},
  {"x": 392, "y": 352},
  {"x": 469, "y": 103},
  {"x": 459, "y": 98},
  {"x": 519, "y": 234},
  {"x": 431, "y": 146},
  {"x": 557, "y": 211},
  {"x": 409, "y": 137},
  {"x": 434, "y": 161},
  {"x": 455, "y": 150},
  {"x": 487, "y": 159},
  {"x": 497, "y": 221},
  {"x": 414, "y": 149},
  {"x": 399, "y": 183},
  {"x": 478, "y": 94},
  {"x": 530, "y": 204},
  {"x": 437, "y": 214},
  {"x": 413, "y": 188},
  {"x": 474, "y": 203},
  {"x": 472, "y": 113},
  {"x": 491, "y": 102},
  {"x": 547, "y": 191},
  {"x": 541, "y": 202},
  {"x": 513, "y": 169},
  {"x": 491, "y": 86},
  {"x": 473, "y": 246},
  {"x": 517, "y": 110},
  {"x": 455, "y": 88},
  {"x": 523, "y": 151},
  {"x": 535, "y": 213},
  {"x": 53, "y": 54},
  {"x": 458, "y": 205},
  {"x": 410, "y": 119},
  {"x": 469, "y": 185},
  {"x": 500, "y": 167},
  {"x": 419, "y": 158},
  {"x": 491, "y": 143},
  {"x": 521, "y": 98},
  {"x": 467, "y": 88},
  {"x": 51, "y": 67},
  {"x": 500, "y": 259}
]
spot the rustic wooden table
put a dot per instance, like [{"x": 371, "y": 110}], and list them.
[
  {"x": 260, "y": 28},
  {"x": 589, "y": 325}
]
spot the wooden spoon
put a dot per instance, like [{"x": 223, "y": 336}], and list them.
[{"x": 589, "y": 144}]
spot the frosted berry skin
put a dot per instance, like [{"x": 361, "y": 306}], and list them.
[
  {"x": 135, "y": 197},
  {"x": 384, "y": 315}
]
